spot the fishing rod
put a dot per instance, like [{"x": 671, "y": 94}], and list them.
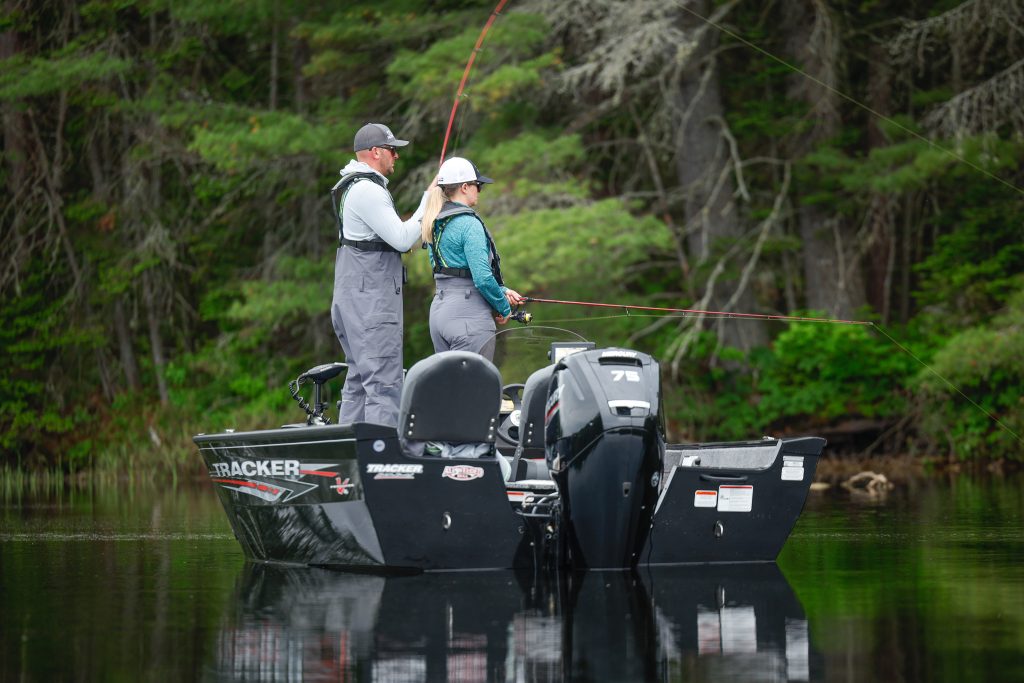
[
  {"x": 465, "y": 74},
  {"x": 696, "y": 311}
]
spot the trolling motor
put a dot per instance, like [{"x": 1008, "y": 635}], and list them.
[{"x": 319, "y": 376}]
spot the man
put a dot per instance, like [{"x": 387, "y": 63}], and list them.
[{"x": 368, "y": 278}]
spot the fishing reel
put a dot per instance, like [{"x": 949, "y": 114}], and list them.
[
  {"x": 523, "y": 317},
  {"x": 319, "y": 376}
]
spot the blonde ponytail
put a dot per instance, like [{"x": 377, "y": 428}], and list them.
[{"x": 435, "y": 200}]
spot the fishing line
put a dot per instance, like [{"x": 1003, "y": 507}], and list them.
[
  {"x": 465, "y": 74},
  {"x": 852, "y": 100},
  {"x": 694, "y": 311}
]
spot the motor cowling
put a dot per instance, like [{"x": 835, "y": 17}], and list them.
[{"x": 604, "y": 445}]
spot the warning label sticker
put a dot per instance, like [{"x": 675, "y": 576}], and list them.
[
  {"x": 705, "y": 499},
  {"x": 734, "y": 498}
]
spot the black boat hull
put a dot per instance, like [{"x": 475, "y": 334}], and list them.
[
  {"x": 375, "y": 510},
  {"x": 752, "y": 526},
  {"x": 348, "y": 497}
]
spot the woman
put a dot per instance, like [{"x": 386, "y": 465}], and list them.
[{"x": 471, "y": 295}]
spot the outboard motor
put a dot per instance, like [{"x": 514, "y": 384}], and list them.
[{"x": 604, "y": 444}]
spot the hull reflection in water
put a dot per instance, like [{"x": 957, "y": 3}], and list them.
[{"x": 737, "y": 623}]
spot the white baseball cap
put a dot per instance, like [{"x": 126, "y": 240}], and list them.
[{"x": 459, "y": 170}]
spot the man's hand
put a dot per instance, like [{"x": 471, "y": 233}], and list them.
[
  {"x": 501, "y": 319},
  {"x": 514, "y": 297}
]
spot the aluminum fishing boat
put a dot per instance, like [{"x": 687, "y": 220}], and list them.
[{"x": 570, "y": 470}]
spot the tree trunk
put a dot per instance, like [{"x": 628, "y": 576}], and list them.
[
  {"x": 156, "y": 342},
  {"x": 702, "y": 163},
  {"x": 833, "y": 282},
  {"x": 300, "y": 55},
  {"x": 15, "y": 155},
  {"x": 274, "y": 58},
  {"x": 124, "y": 345}
]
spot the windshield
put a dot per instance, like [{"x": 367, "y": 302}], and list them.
[{"x": 521, "y": 350}]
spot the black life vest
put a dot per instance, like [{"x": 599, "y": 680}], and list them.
[
  {"x": 449, "y": 211},
  {"x": 338, "y": 194}
]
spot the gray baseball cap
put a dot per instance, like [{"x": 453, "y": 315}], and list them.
[{"x": 376, "y": 135}]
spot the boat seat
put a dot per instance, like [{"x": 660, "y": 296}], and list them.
[
  {"x": 531, "y": 427},
  {"x": 449, "y": 407}
]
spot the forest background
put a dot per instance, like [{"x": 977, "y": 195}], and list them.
[{"x": 168, "y": 245}]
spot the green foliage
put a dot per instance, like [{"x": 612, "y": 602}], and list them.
[
  {"x": 271, "y": 330},
  {"x": 197, "y": 142},
  {"x": 602, "y": 240},
  {"x": 503, "y": 71},
  {"x": 976, "y": 263},
  {"x": 34, "y": 333},
  {"x": 250, "y": 139},
  {"x": 831, "y": 371},
  {"x": 71, "y": 67},
  {"x": 975, "y": 380}
]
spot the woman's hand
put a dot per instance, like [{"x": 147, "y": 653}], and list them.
[
  {"x": 514, "y": 297},
  {"x": 501, "y": 319}
]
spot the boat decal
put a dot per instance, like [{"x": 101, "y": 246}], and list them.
[
  {"x": 301, "y": 489},
  {"x": 273, "y": 481},
  {"x": 393, "y": 470},
  {"x": 269, "y": 492},
  {"x": 316, "y": 469},
  {"x": 705, "y": 499},
  {"x": 551, "y": 407},
  {"x": 342, "y": 487},
  {"x": 735, "y": 498},
  {"x": 462, "y": 472},
  {"x": 255, "y": 468}
]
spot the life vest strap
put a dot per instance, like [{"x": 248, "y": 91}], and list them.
[
  {"x": 453, "y": 272},
  {"x": 340, "y": 191},
  {"x": 368, "y": 245}
]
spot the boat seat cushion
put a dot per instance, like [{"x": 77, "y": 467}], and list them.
[{"x": 453, "y": 397}]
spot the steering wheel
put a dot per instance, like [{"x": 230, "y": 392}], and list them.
[{"x": 508, "y": 430}]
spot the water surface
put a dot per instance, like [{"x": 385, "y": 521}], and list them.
[{"x": 926, "y": 584}]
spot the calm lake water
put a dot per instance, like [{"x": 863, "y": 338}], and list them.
[{"x": 926, "y": 584}]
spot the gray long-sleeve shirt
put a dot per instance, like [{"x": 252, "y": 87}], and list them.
[{"x": 369, "y": 212}]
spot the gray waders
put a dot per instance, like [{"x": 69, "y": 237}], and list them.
[
  {"x": 460, "y": 318},
  {"x": 367, "y": 317}
]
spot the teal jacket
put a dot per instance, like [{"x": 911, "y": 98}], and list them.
[{"x": 463, "y": 244}]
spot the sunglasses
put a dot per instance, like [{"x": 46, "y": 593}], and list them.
[
  {"x": 479, "y": 186},
  {"x": 393, "y": 150}
]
